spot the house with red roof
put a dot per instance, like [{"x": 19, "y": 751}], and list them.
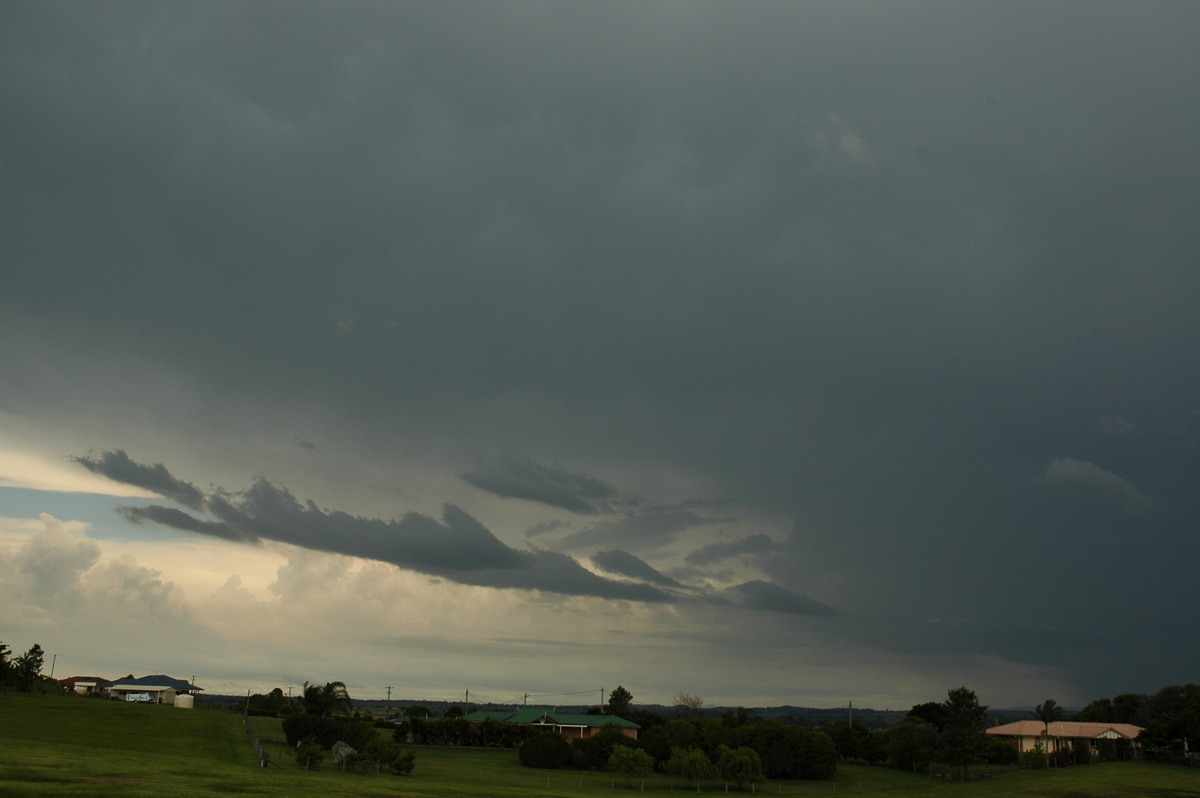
[
  {"x": 86, "y": 685},
  {"x": 1057, "y": 736}
]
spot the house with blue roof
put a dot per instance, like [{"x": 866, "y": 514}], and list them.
[{"x": 161, "y": 689}]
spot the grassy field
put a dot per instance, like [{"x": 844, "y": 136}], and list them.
[{"x": 70, "y": 746}]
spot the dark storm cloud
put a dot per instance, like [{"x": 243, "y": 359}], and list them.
[
  {"x": 625, "y": 564},
  {"x": 715, "y": 552},
  {"x": 760, "y": 595},
  {"x": 880, "y": 269},
  {"x": 458, "y": 548},
  {"x": 177, "y": 519},
  {"x": 519, "y": 477},
  {"x": 645, "y": 530},
  {"x": 116, "y": 465}
]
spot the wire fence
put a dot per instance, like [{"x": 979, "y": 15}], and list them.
[{"x": 264, "y": 756}]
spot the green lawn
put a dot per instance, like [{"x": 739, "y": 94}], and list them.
[{"x": 63, "y": 745}]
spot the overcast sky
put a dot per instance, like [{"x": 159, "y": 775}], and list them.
[{"x": 779, "y": 353}]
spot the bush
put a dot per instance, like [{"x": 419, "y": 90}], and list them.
[
  {"x": 910, "y": 744},
  {"x": 302, "y": 727},
  {"x": 797, "y": 753},
  {"x": 404, "y": 763},
  {"x": 381, "y": 753},
  {"x": 595, "y": 751},
  {"x": 545, "y": 750},
  {"x": 309, "y": 754},
  {"x": 1002, "y": 752},
  {"x": 358, "y": 734},
  {"x": 630, "y": 763},
  {"x": 740, "y": 766},
  {"x": 690, "y": 764}
]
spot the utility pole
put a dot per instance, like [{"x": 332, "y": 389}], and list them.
[
  {"x": 601, "y": 698},
  {"x": 389, "y": 700},
  {"x": 526, "y": 703},
  {"x": 53, "y": 662}
]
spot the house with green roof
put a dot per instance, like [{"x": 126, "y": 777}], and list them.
[{"x": 570, "y": 725}]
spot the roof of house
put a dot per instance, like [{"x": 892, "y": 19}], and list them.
[
  {"x": 546, "y": 715},
  {"x": 86, "y": 680},
  {"x": 1066, "y": 728},
  {"x": 158, "y": 680}
]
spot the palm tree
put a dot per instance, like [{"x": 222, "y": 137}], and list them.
[
  {"x": 1048, "y": 712},
  {"x": 328, "y": 699}
]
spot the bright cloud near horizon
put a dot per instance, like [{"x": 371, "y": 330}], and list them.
[{"x": 779, "y": 354}]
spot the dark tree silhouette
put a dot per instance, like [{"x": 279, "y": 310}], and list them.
[{"x": 328, "y": 699}]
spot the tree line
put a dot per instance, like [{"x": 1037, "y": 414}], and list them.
[{"x": 23, "y": 673}]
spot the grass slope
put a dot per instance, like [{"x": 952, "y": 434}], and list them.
[{"x": 67, "y": 746}]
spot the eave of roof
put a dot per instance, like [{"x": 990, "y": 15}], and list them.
[{"x": 1064, "y": 728}]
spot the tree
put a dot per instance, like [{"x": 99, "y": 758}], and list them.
[
  {"x": 328, "y": 699},
  {"x": 1048, "y": 712},
  {"x": 594, "y": 752},
  {"x": 801, "y": 754},
  {"x": 619, "y": 702},
  {"x": 309, "y": 754},
  {"x": 964, "y": 739},
  {"x": 741, "y": 766},
  {"x": 688, "y": 704},
  {"x": 911, "y": 743},
  {"x": 742, "y": 716},
  {"x": 545, "y": 750},
  {"x": 690, "y": 764},
  {"x": 1100, "y": 711},
  {"x": 630, "y": 763},
  {"x": 855, "y": 740},
  {"x": 27, "y": 667},
  {"x": 931, "y": 712},
  {"x": 1173, "y": 717},
  {"x": 5, "y": 665}
]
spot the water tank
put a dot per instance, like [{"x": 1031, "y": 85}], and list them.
[{"x": 185, "y": 701}]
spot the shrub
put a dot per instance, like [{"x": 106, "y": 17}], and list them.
[
  {"x": 356, "y": 733},
  {"x": 309, "y": 754},
  {"x": 740, "y": 766},
  {"x": 630, "y": 763},
  {"x": 1002, "y": 752},
  {"x": 302, "y": 727},
  {"x": 404, "y": 763},
  {"x": 690, "y": 764},
  {"x": 910, "y": 743},
  {"x": 545, "y": 750},
  {"x": 598, "y": 749},
  {"x": 797, "y": 753}
]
